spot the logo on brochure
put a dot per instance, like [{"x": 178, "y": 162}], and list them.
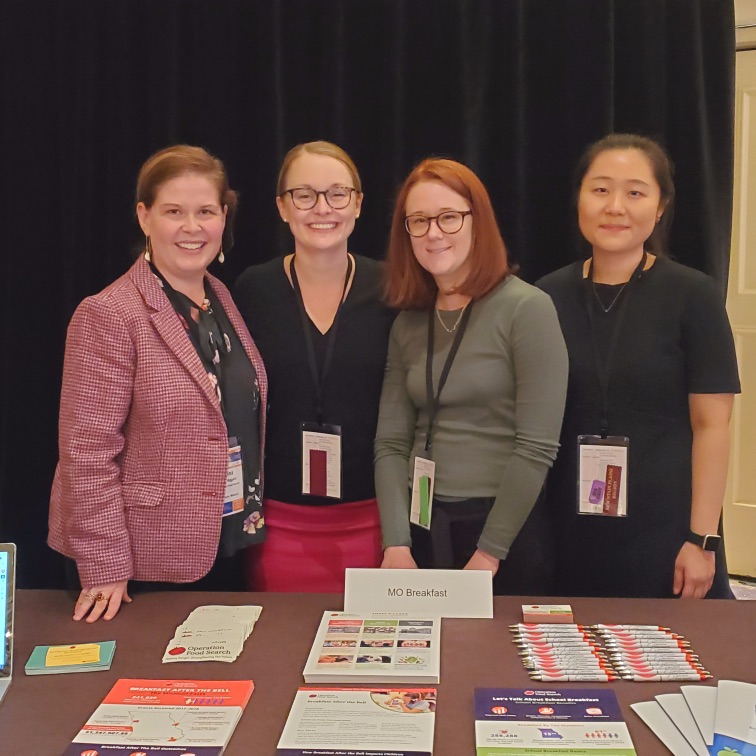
[
  {"x": 546, "y": 710},
  {"x": 89, "y": 752},
  {"x": 594, "y": 711},
  {"x": 547, "y": 732},
  {"x": 499, "y": 709},
  {"x": 176, "y": 651}
]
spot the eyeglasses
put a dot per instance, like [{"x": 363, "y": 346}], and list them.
[
  {"x": 304, "y": 198},
  {"x": 450, "y": 222}
]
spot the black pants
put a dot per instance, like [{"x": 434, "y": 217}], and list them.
[{"x": 453, "y": 539}]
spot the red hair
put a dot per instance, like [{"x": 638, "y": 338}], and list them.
[{"x": 411, "y": 287}]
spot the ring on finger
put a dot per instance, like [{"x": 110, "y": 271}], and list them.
[
  {"x": 92, "y": 596},
  {"x": 100, "y": 597}
]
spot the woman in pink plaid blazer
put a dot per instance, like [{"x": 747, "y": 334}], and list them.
[{"x": 163, "y": 398}]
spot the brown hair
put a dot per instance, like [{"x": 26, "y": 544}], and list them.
[
  {"x": 317, "y": 148},
  {"x": 661, "y": 166},
  {"x": 408, "y": 285},
  {"x": 179, "y": 160}
]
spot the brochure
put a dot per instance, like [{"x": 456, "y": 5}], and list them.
[
  {"x": 153, "y": 717},
  {"x": 735, "y": 718},
  {"x": 580, "y": 722},
  {"x": 77, "y": 657},
  {"x": 365, "y": 721},
  {"x": 366, "y": 648}
]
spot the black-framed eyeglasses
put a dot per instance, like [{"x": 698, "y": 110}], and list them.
[
  {"x": 450, "y": 222},
  {"x": 304, "y": 198}
]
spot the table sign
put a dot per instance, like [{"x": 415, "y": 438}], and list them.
[{"x": 439, "y": 593}]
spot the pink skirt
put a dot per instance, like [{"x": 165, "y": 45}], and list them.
[{"x": 307, "y": 549}]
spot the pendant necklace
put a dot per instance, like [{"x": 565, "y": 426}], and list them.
[
  {"x": 456, "y": 323},
  {"x": 613, "y": 302}
]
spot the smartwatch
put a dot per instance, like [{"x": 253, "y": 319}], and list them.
[{"x": 706, "y": 542}]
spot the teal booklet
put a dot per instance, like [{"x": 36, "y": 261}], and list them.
[{"x": 76, "y": 657}]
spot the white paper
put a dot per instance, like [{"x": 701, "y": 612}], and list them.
[
  {"x": 735, "y": 720},
  {"x": 702, "y": 702},
  {"x": 358, "y": 720},
  {"x": 435, "y": 593},
  {"x": 663, "y": 727},
  {"x": 677, "y": 710}
]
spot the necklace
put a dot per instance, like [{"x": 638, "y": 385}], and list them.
[
  {"x": 456, "y": 322},
  {"x": 613, "y": 302}
]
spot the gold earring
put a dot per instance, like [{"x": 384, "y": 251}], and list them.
[
  {"x": 221, "y": 256},
  {"x": 147, "y": 249}
]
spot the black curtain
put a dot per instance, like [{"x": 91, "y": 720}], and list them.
[{"x": 513, "y": 88}]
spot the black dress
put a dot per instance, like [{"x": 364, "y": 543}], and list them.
[{"x": 674, "y": 340}]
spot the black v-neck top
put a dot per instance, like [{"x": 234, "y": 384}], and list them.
[{"x": 352, "y": 388}]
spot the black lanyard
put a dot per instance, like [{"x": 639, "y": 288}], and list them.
[
  {"x": 604, "y": 370},
  {"x": 206, "y": 334},
  {"x": 319, "y": 380},
  {"x": 431, "y": 399}
]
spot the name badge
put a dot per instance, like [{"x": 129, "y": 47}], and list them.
[
  {"x": 233, "y": 499},
  {"x": 602, "y": 475},
  {"x": 421, "y": 505},
  {"x": 321, "y": 460},
  {"x": 433, "y": 593}
]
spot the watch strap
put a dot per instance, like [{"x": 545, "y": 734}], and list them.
[{"x": 709, "y": 542}]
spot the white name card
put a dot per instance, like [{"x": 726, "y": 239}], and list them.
[{"x": 438, "y": 593}]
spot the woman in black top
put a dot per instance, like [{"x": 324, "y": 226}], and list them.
[
  {"x": 652, "y": 377},
  {"x": 323, "y": 332}
]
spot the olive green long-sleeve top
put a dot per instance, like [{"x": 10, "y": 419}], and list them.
[{"x": 497, "y": 429}]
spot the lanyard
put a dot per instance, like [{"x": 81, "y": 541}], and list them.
[
  {"x": 209, "y": 339},
  {"x": 431, "y": 399},
  {"x": 319, "y": 380},
  {"x": 604, "y": 370}
]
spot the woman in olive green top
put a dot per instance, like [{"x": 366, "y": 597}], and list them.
[{"x": 474, "y": 428}]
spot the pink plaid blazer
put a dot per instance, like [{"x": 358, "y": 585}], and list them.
[{"x": 142, "y": 442}]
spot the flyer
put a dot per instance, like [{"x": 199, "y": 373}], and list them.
[
  {"x": 152, "y": 717},
  {"x": 387, "y": 721},
  {"x": 380, "y": 647},
  {"x": 581, "y": 722}
]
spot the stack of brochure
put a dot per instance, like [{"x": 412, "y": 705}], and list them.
[
  {"x": 364, "y": 648},
  {"x": 360, "y": 721},
  {"x": 570, "y": 721},
  {"x": 77, "y": 657},
  {"x": 164, "y": 716},
  {"x": 702, "y": 720},
  {"x": 212, "y": 633}
]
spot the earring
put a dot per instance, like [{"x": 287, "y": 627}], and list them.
[
  {"x": 221, "y": 256},
  {"x": 147, "y": 249}
]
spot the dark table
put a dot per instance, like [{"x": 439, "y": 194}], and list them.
[{"x": 41, "y": 715}]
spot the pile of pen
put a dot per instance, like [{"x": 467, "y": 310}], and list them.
[{"x": 602, "y": 653}]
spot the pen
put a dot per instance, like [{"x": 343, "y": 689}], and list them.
[
  {"x": 572, "y": 678},
  {"x": 666, "y": 678}
]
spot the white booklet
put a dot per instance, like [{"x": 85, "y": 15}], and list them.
[
  {"x": 735, "y": 719},
  {"x": 677, "y": 710},
  {"x": 378, "y": 647},
  {"x": 340, "y": 721},
  {"x": 702, "y": 702}
]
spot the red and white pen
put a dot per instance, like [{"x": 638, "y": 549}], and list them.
[{"x": 597, "y": 677}]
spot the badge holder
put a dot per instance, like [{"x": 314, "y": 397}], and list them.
[
  {"x": 321, "y": 460},
  {"x": 421, "y": 505},
  {"x": 602, "y": 475},
  {"x": 233, "y": 499}
]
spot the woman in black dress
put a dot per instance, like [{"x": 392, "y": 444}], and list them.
[{"x": 637, "y": 488}]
